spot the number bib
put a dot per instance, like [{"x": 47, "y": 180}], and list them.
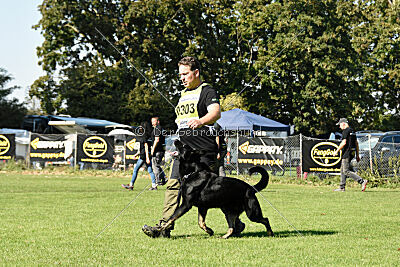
[{"x": 187, "y": 106}]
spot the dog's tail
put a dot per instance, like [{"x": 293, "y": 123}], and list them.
[{"x": 264, "y": 178}]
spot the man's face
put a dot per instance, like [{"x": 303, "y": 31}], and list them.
[
  {"x": 154, "y": 121},
  {"x": 343, "y": 125},
  {"x": 189, "y": 78}
]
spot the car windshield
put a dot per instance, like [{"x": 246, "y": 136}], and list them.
[{"x": 363, "y": 142}]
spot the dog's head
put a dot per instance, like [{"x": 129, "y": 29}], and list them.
[{"x": 189, "y": 159}]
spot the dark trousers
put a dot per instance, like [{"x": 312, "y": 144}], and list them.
[
  {"x": 156, "y": 161},
  {"x": 346, "y": 171}
]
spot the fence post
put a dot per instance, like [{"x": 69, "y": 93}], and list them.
[
  {"x": 237, "y": 151},
  {"x": 28, "y": 156},
  {"x": 301, "y": 155},
  {"x": 76, "y": 150},
  {"x": 370, "y": 152}
]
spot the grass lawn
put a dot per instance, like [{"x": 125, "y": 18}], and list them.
[{"x": 52, "y": 219}]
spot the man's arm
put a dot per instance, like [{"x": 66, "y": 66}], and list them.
[
  {"x": 156, "y": 141},
  {"x": 213, "y": 114},
  {"x": 357, "y": 151},
  {"x": 341, "y": 146},
  {"x": 146, "y": 149}
]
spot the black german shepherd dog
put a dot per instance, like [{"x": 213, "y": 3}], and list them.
[{"x": 204, "y": 189}]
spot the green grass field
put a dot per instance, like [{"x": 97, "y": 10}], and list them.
[{"x": 51, "y": 219}]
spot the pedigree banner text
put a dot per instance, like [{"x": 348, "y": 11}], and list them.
[
  {"x": 47, "y": 147},
  {"x": 7, "y": 146},
  {"x": 318, "y": 156},
  {"x": 95, "y": 149},
  {"x": 265, "y": 152}
]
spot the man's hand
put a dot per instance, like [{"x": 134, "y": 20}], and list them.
[{"x": 194, "y": 123}]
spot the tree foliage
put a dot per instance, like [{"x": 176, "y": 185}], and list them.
[
  {"x": 11, "y": 111},
  {"x": 303, "y": 62}
]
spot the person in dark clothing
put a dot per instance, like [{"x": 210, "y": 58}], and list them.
[
  {"x": 197, "y": 110},
  {"x": 349, "y": 148},
  {"x": 157, "y": 150},
  {"x": 222, "y": 149},
  {"x": 144, "y": 156}
]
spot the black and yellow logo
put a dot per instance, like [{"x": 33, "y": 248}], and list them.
[
  {"x": 244, "y": 147},
  {"x": 95, "y": 147},
  {"x": 132, "y": 145},
  {"x": 4, "y": 145},
  {"x": 322, "y": 154}
]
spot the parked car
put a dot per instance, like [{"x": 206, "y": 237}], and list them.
[
  {"x": 384, "y": 155},
  {"x": 367, "y": 140}
]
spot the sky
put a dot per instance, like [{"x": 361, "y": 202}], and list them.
[{"x": 18, "y": 43}]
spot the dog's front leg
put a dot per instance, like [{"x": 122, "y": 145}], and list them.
[{"x": 202, "y": 221}]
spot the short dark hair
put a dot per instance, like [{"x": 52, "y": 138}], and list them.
[{"x": 192, "y": 62}]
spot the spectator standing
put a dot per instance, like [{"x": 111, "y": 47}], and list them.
[
  {"x": 222, "y": 149},
  {"x": 157, "y": 150},
  {"x": 349, "y": 148},
  {"x": 144, "y": 134}
]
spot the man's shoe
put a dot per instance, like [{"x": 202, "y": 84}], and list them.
[
  {"x": 364, "y": 185},
  {"x": 152, "y": 188},
  {"x": 339, "y": 190},
  {"x": 127, "y": 186},
  {"x": 156, "y": 231},
  {"x": 152, "y": 231},
  {"x": 239, "y": 228}
]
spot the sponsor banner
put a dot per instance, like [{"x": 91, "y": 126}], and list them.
[
  {"x": 7, "y": 146},
  {"x": 132, "y": 147},
  {"x": 318, "y": 156},
  {"x": 47, "y": 147},
  {"x": 95, "y": 149},
  {"x": 268, "y": 152}
]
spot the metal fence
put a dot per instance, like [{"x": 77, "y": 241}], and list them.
[{"x": 378, "y": 158}]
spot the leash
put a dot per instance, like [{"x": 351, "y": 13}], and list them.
[{"x": 122, "y": 211}]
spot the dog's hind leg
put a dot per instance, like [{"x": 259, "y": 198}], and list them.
[
  {"x": 202, "y": 221},
  {"x": 254, "y": 213}
]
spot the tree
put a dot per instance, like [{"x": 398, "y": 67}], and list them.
[
  {"x": 304, "y": 62},
  {"x": 377, "y": 41},
  {"x": 232, "y": 101},
  {"x": 11, "y": 111}
]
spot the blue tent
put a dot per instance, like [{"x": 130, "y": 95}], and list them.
[{"x": 237, "y": 119}]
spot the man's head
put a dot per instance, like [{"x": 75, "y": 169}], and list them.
[
  {"x": 155, "y": 121},
  {"x": 343, "y": 123},
  {"x": 189, "y": 72}
]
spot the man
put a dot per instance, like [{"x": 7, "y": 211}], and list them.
[
  {"x": 157, "y": 150},
  {"x": 222, "y": 149},
  {"x": 197, "y": 110},
  {"x": 349, "y": 148}
]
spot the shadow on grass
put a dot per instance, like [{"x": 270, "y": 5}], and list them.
[
  {"x": 279, "y": 234},
  {"x": 282, "y": 234}
]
